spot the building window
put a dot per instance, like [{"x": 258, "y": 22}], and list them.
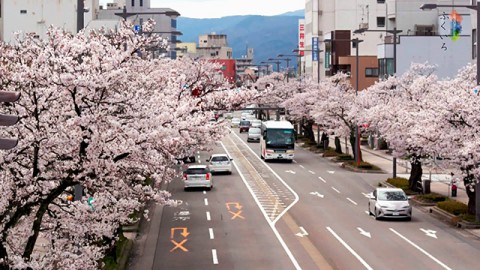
[
  {"x": 173, "y": 24},
  {"x": 380, "y": 21},
  {"x": 141, "y": 3},
  {"x": 380, "y": 1},
  {"x": 133, "y": 3},
  {"x": 371, "y": 72},
  {"x": 23, "y": 11},
  {"x": 474, "y": 44}
]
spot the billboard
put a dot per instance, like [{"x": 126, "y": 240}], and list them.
[{"x": 301, "y": 37}]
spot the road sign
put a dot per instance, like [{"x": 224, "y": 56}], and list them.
[
  {"x": 314, "y": 49},
  {"x": 137, "y": 28}
]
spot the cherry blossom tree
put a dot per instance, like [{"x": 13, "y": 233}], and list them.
[{"x": 95, "y": 111}]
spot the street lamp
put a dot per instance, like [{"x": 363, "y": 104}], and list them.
[
  {"x": 318, "y": 60},
  {"x": 293, "y": 55},
  {"x": 273, "y": 62},
  {"x": 477, "y": 8},
  {"x": 394, "y": 32},
  {"x": 282, "y": 59}
]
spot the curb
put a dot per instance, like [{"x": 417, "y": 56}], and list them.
[{"x": 124, "y": 255}]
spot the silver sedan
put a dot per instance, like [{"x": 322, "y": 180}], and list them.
[{"x": 389, "y": 203}]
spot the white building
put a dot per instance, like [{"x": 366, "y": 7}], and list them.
[
  {"x": 420, "y": 40},
  {"x": 37, "y": 15}
]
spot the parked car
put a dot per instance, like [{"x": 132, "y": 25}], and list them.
[
  {"x": 197, "y": 176},
  {"x": 256, "y": 123},
  {"x": 254, "y": 134},
  {"x": 389, "y": 203},
  {"x": 220, "y": 163},
  {"x": 244, "y": 126},
  {"x": 235, "y": 122}
]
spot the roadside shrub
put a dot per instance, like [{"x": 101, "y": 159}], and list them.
[
  {"x": 310, "y": 143},
  {"x": 453, "y": 207},
  {"x": 330, "y": 152},
  {"x": 432, "y": 197},
  {"x": 398, "y": 182},
  {"x": 469, "y": 218},
  {"x": 344, "y": 157},
  {"x": 363, "y": 165}
]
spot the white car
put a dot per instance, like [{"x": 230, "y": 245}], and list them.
[
  {"x": 256, "y": 123},
  {"x": 235, "y": 122},
  {"x": 197, "y": 176},
  {"x": 389, "y": 203},
  {"x": 220, "y": 163}
]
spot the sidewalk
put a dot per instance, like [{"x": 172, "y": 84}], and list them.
[{"x": 440, "y": 180}]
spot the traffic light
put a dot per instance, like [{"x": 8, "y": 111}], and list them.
[{"x": 8, "y": 120}]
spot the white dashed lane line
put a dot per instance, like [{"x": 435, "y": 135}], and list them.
[
  {"x": 206, "y": 201},
  {"x": 336, "y": 190},
  {"x": 214, "y": 255},
  {"x": 322, "y": 179},
  {"x": 210, "y": 232},
  {"x": 352, "y": 201},
  {"x": 208, "y": 215}
]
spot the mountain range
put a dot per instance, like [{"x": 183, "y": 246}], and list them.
[{"x": 267, "y": 35}]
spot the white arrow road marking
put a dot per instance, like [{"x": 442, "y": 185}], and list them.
[
  {"x": 302, "y": 233},
  {"x": 365, "y": 264},
  {"x": 430, "y": 233},
  {"x": 290, "y": 171},
  {"x": 331, "y": 172},
  {"x": 312, "y": 172},
  {"x": 336, "y": 190},
  {"x": 352, "y": 201},
  {"x": 367, "y": 234},
  {"x": 301, "y": 166},
  {"x": 317, "y": 194},
  {"x": 322, "y": 179},
  {"x": 421, "y": 250}
]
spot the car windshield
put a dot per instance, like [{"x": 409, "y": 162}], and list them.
[
  {"x": 254, "y": 131},
  {"x": 244, "y": 123},
  {"x": 280, "y": 137},
  {"x": 392, "y": 196},
  {"x": 220, "y": 158},
  {"x": 196, "y": 171}
]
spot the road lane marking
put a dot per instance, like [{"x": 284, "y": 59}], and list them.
[
  {"x": 204, "y": 192},
  {"x": 430, "y": 233},
  {"x": 317, "y": 194},
  {"x": 214, "y": 256},
  {"x": 312, "y": 172},
  {"x": 362, "y": 232},
  {"x": 301, "y": 166},
  {"x": 331, "y": 172},
  {"x": 350, "y": 249},
  {"x": 421, "y": 250},
  {"x": 290, "y": 171},
  {"x": 272, "y": 224},
  {"x": 294, "y": 161},
  {"x": 352, "y": 201},
  {"x": 336, "y": 190},
  {"x": 322, "y": 179},
  {"x": 210, "y": 231},
  {"x": 208, "y": 215},
  {"x": 302, "y": 232},
  {"x": 206, "y": 201}
]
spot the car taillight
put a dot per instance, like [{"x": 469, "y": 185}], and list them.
[
  {"x": 184, "y": 176},
  {"x": 207, "y": 177}
]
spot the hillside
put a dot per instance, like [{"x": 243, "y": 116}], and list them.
[{"x": 268, "y": 35}]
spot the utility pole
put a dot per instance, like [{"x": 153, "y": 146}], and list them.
[{"x": 80, "y": 15}]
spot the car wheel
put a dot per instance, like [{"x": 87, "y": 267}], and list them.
[
  {"x": 185, "y": 189},
  {"x": 369, "y": 212},
  {"x": 409, "y": 218},
  {"x": 376, "y": 214}
]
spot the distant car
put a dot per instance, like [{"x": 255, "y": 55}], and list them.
[
  {"x": 197, "y": 176},
  {"x": 254, "y": 134},
  {"x": 389, "y": 203},
  {"x": 256, "y": 123},
  {"x": 244, "y": 126},
  {"x": 220, "y": 163},
  {"x": 235, "y": 122},
  {"x": 228, "y": 115}
]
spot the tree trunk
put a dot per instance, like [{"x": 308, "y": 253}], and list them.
[
  {"x": 338, "y": 146},
  {"x": 468, "y": 181},
  {"x": 308, "y": 129},
  {"x": 324, "y": 141},
  {"x": 415, "y": 180}
]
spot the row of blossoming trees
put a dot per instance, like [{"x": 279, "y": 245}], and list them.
[
  {"x": 95, "y": 110},
  {"x": 419, "y": 115}
]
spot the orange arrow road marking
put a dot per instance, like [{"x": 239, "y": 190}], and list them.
[
  {"x": 184, "y": 232},
  {"x": 235, "y": 215},
  {"x": 236, "y": 204},
  {"x": 179, "y": 245}
]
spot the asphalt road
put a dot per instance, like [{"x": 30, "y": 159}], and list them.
[{"x": 309, "y": 214}]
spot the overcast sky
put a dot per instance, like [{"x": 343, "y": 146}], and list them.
[{"x": 221, "y": 8}]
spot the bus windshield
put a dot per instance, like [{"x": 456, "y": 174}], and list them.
[{"x": 284, "y": 138}]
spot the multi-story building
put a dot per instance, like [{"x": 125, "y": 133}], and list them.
[
  {"x": 29, "y": 16},
  {"x": 213, "y": 46},
  {"x": 422, "y": 38},
  {"x": 186, "y": 49},
  {"x": 140, "y": 11}
]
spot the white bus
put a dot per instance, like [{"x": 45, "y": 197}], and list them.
[{"x": 278, "y": 140}]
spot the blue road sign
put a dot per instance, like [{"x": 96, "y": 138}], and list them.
[
  {"x": 137, "y": 28},
  {"x": 315, "y": 49}
]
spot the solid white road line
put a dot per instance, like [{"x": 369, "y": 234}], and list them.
[
  {"x": 206, "y": 201},
  {"x": 214, "y": 255},
  {"x": 350, "y": 249},
  {"x": 208, "y": 216},
  {"x": 352, "y": 201},
  {"x": 210, "y": 231},
  {"x": 322, "y": 179},
  {"x": 272, "y": 224},
  {"x": 336, "y": 190},
  {"x": 421, "y": 250}
]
